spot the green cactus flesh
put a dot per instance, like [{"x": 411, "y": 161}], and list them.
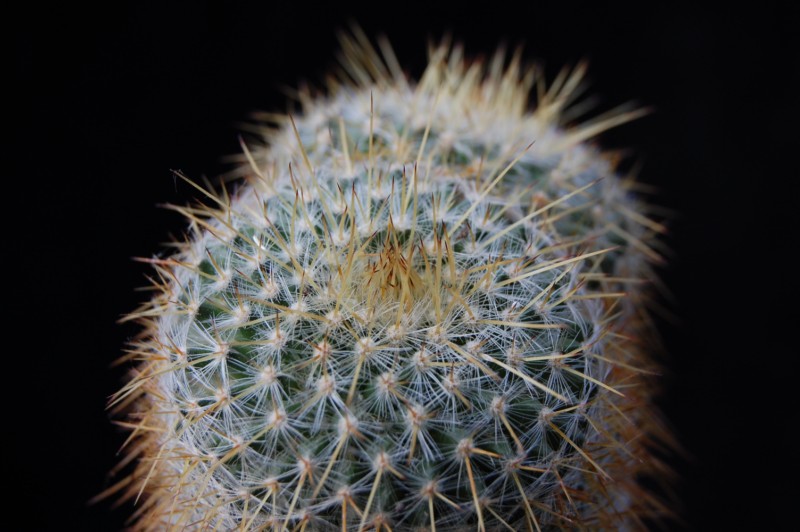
[{"x": 410, "y": 316}]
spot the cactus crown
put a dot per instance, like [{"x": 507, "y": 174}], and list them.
[{"x": 409, "y": 317}]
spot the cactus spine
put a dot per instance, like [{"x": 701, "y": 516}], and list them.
[{"x": 421, "y": 311}]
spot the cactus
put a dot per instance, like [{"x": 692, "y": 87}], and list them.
[{"x": 421, "y": 310}]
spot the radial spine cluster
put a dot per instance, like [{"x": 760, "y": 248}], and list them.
[{"x": 422, "y": 310}]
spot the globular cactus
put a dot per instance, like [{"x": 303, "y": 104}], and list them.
[{"x": 423, "y": 310}]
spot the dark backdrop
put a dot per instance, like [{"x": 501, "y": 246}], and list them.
[{"x": 110, "y": 101}]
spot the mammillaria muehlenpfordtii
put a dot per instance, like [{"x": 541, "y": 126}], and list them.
[{"x": 422, "y": 309}]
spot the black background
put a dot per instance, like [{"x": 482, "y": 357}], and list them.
[{"x": 109, "y": 101}]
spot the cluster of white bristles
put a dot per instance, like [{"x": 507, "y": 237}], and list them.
[{"x": 411, "y": 317}]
